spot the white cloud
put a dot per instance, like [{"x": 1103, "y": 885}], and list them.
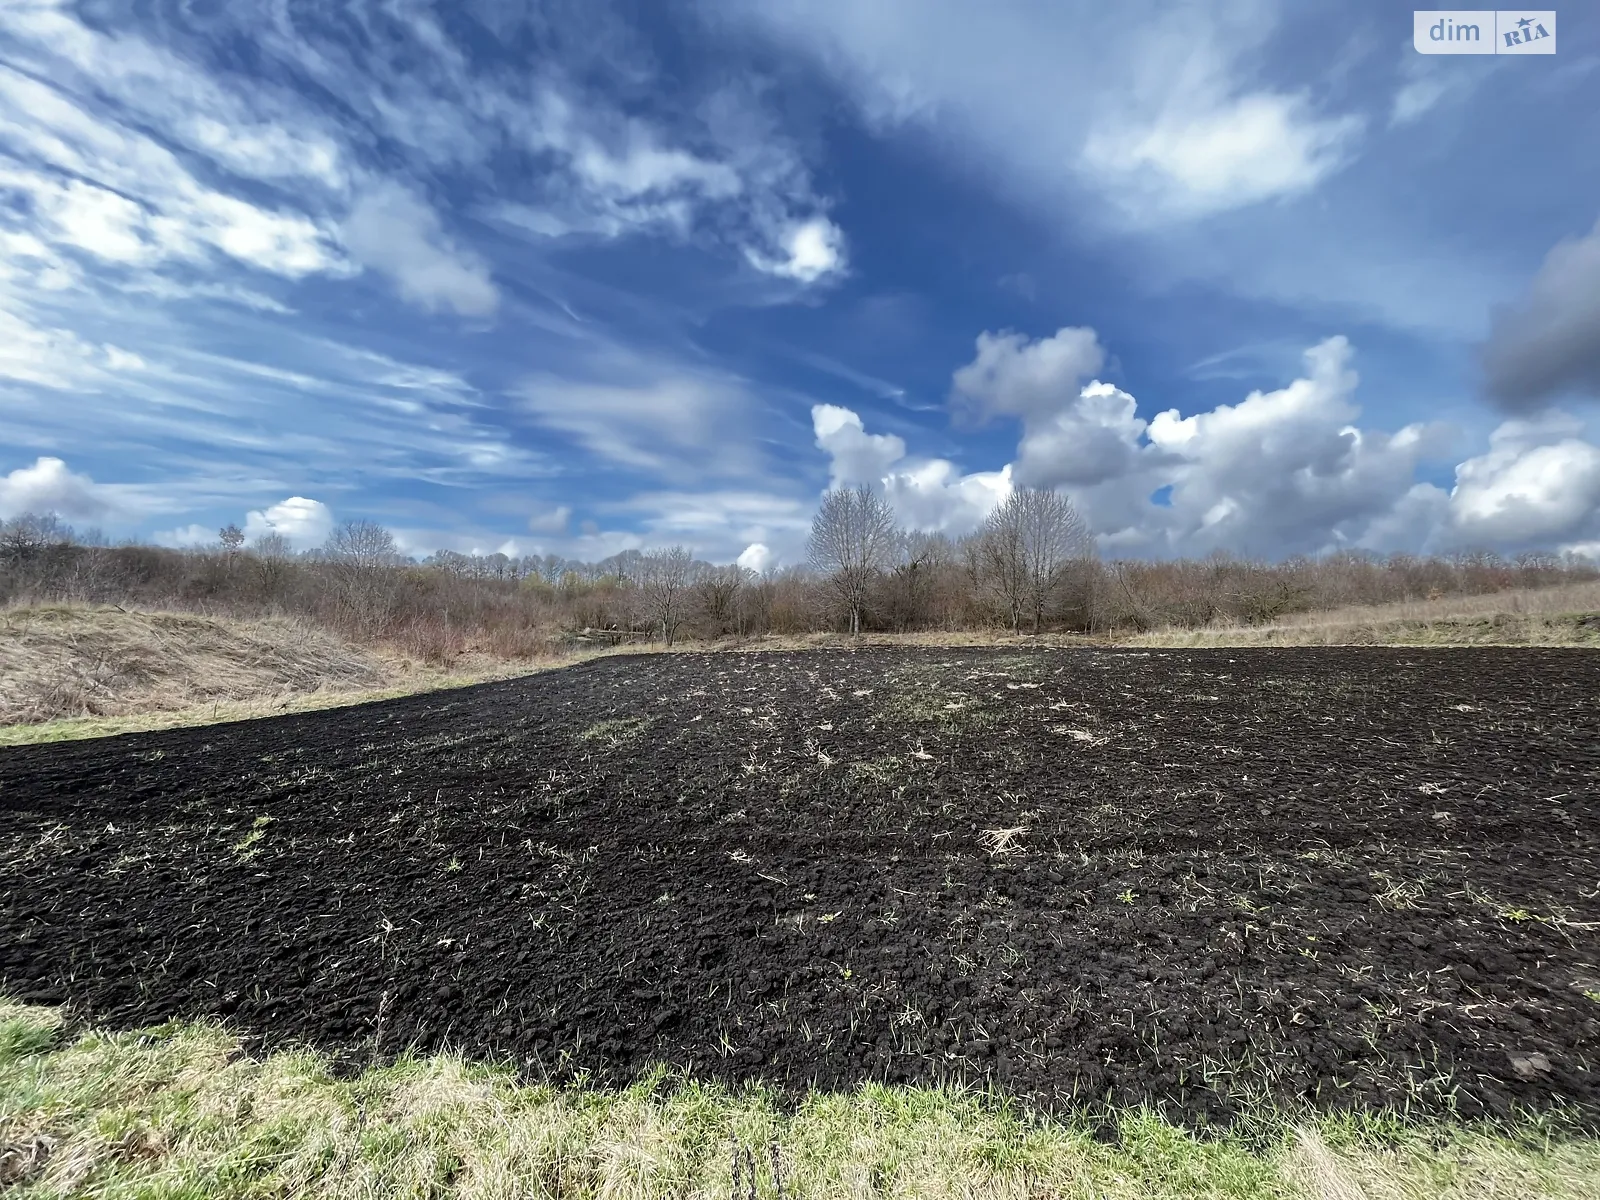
[
  {"x": 756, "y": 557},
  {"x": 812, "y": 250},
  {"x": 854, "y": 455},
  {"x": 253, "y": 134},
  {"x": 1071, "y": 434},
  {"x": 118, "y": 359},
  {"x": 1149, "y": 106},
  {"x": 1012, "y": 376},
  {"x": 934, "y": 495},
  {"x": 1091, "y": 438},
  {"x": 305, "y": 523},
  {"x": 1538, "y": 484},
  {"x": 1209, "y": 151},
  {"x": 117, "y": 194},
  {"x": 927, "y": 494},
  {"x": 1289, "y": 469},
  {"x": 1417, "y": 97},
  {"x": 394, "y": 232},
  {"x": 719, "y": 525},
  {"x": 49, "y": 487},
  {"x": 1280, "y": 472}
]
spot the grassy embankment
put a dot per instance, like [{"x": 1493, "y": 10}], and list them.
[{"x": 180, "y": 1111}]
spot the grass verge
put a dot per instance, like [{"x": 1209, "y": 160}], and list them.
[
  {"x": 1559, "y": 616},
  {"x": 179, "y": 1110},
  {"x": 69, "y": 729}
]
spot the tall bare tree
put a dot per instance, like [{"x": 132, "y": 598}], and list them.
[
  {"x": 853, "y": 538},
  {"x": 1028, "y": 549},
  {"x": 359, "y": 553},
  {"x": 665, "y": 576}
]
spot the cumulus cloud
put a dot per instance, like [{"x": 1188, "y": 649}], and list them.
[
  {"x": 1289, "y": 469},
  {"x": 392, "y": 231},
  {"x": 1093, "y": 437},
  {"x": 854, "y": 455},
  {"x": 756, "y": 557},
  {"x": 49, "y": 487},
  {"x": 1538, "y": 484},
  {"x": 1071, "y": 434},
  {"x": 936, "y": 496},
  {"x": 1014, "y": 376},
  {"x": 1280, "y": 472},
  {"x": 304, "y": 522},
  {"x": 928, "y": 494},
  {"x": 1548, "y": 343}
]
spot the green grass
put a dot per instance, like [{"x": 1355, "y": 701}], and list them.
[{"x": 178, "y": 1111}]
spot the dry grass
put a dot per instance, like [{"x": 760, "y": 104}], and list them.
[
  {"x": 180, "y": 1111},
  {"x": 71, "y": 672},
  {"x": 61, "y": 661},
  {"x": 1559, "y": 616}
]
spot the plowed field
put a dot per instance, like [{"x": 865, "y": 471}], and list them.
[{"x": 1353, "y": 877}]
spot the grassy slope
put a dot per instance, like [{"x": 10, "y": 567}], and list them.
[
  {"x": 60, "y": 660},
  {"x": 179, "y": 1111},
  {"x": 72, "y": 672}
]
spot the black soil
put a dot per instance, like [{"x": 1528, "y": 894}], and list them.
[{"x": 1355, "y": 877}]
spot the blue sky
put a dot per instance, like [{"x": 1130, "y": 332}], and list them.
[{"x": 576, "y": 277}]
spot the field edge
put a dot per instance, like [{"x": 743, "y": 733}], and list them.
[{"x": 185, "y": 1107}]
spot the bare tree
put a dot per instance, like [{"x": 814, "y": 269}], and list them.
[
  {"x": 852, "y": 539},
  {"x": 718, "y": 593},
  {"x": 269, "y": 557},
  {"x": 664, "y": 576},
  {"x": 361, "y": 553},
  {"x": 358, "y": 545},
  {"x": 28, "y": 535},
  {"x": 232, "y": 539},
  {"x": 1029, "y": 546},
  {"x": 909, "y": 588},
  {"x": 272, "y": 545}
]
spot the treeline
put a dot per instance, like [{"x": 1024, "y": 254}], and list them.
[{"x": 1031, "y": 567}]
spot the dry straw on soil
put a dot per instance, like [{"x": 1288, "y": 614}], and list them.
[{"x": 181, "y": 1111}]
